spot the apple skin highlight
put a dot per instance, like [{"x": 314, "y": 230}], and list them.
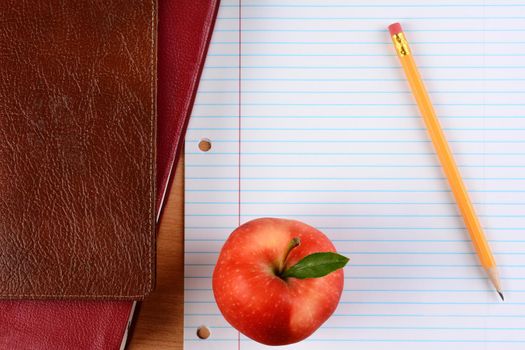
[{"x": 259, "y": 303}]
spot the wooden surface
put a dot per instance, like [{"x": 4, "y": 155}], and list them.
[{"x": 159, "y": 323}]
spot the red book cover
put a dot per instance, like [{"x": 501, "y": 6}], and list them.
[
  {"x": 184, "y": 32},
  {"x": 185, "y": 29}
]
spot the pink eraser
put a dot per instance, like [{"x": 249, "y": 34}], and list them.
[{"x": 395, "y": 28}]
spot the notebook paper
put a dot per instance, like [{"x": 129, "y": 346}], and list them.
[{"x": 310, "y": 117}]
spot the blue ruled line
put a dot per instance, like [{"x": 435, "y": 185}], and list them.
[
  {"x": 414, "y": 265},
  {"x": 354, "y": 92},
  {"x": 360, "y": 104},
  {"x": 390, "y": 328},
  {"x": 355, "y": 216},
  {"x": 368, "y": 79},
  {"x": 379, "y": 55},
  {"x": 362, "y": 228},
  {"x": 388, "y": 43},
  {"x": 389, "y": 253},
  {"x": 338, "y": 190},
  {"x": 347, "y": 203},
  {"x": 352, "y": 117},
  {"x": 353, "y": 18},
  {"x": 379, "y": 240},
  {"x": 390, "y": 154},
  {"x": 335, "y": 67},
  {"x": 384, "y": 5},
  {"x": 336, "y": 314},
  {"x": 489, "y": 291},
  {"x": 400, "y": 303},
  {"x": 418, "y": 278},
  {"x": 366, "y": 166},
  {"x": 368, "y": 340},
  {"x": 441, "y": 30},
  {"x": 357, "y": 141},
  {"x": 271, "y": 178},
  {"x": 352, "y": 129}
]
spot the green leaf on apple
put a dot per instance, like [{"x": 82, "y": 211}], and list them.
[{"x": 316, "y": 265}]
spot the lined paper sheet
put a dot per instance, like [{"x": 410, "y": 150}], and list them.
[{"x": 310, "y": 118}]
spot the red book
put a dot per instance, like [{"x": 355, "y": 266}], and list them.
[{"x": 184, "y": 32}]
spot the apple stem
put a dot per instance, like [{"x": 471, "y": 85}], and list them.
[{"x": 296, "y": 241}]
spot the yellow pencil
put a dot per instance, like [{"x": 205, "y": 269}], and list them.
[{"x": 445, "y": 156}]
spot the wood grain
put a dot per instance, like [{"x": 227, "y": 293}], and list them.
[{"x": 159, "y": 324}]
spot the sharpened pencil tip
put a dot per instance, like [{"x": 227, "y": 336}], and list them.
[{"x": 501, "y": 296}]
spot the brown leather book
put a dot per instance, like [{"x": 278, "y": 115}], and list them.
[{"x": 77, "y": 150}]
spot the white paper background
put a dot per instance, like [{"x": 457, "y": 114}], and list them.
[{"x": 329, "y": 134}]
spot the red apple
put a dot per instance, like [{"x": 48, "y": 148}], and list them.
[{"x": 256, "y": 290}]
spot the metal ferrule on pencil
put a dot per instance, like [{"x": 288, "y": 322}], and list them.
[{"x": 401, "y": 44}]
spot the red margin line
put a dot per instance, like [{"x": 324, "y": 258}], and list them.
[
  {"x": 239, "y": 136},
  {"x": 239, "y": 112}
]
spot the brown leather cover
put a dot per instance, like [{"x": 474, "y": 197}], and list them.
[{"x": 77, "y": 150}]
